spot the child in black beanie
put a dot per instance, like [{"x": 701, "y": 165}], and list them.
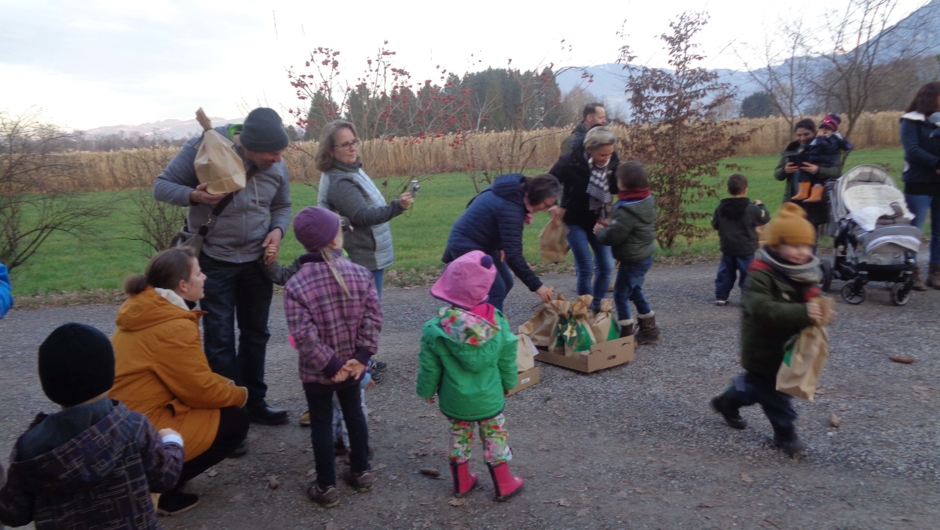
[{"x": 94, "y": 463}]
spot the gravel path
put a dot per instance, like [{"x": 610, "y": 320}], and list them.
[{"x": 635, "y": 446}]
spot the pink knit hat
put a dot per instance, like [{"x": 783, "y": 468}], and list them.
[{"x": 466, "y": 281}]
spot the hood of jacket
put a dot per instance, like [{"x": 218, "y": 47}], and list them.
[
  {"x": 467, "y": 336},
  {"x": 733, "y": 208},
  {"x": 96, "y": 448},
  {"x": 644, "y": 209},
  {"x": 148, "y": 309},
  {"x": 509, "y": 187}
]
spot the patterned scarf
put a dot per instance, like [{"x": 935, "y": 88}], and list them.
[
  {"x": 806, "y": 273},
  {"x": 597, "y": 190}
]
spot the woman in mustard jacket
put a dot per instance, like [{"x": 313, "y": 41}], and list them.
[{"x": 161, "y": 369}]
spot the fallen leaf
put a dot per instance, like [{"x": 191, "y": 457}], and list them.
[
  {"x": 639, "y": 490},
  {"x": 332, "y": 526},
  {"x": 273, "y": 483},
  {"x": 393, "y": 477},
  {"x": 834, "y": 420},
  {"x": 431, "y": 472},
  {"x": 746, "y": 478},
  {"x": 903, "y": 359},
  {"x": 312, "y": 473},
  {"x": 238, "y": 497},
  {"x": 622, "y": 494},
  {"x": 582, "y": 512},
  {"x": 378, "y": 467},
  {"x": 703, "y": 505},
  {"x": 457, "y": 502},
  {"x": 211, "y": 473},
  {"x": 578, "y": 490},
  {"x": 564, "y": 502}
]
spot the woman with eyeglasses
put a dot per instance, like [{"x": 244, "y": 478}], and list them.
[{"x": 347, "y": 190}]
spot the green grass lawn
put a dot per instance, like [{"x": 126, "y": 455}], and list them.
[{"x": 103, "y": 260}]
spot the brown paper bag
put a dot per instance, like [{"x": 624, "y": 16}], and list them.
[
  {"x": 604, "y": 326},
  {"x": 216, "y": 161},
  {"x": 577, "y": 335},
  {"x": 525, "y": 353},
  {"x": 541, "y": 328},
  {"x": 805, "y": 357},
  {"x": 553, "y": 242}
]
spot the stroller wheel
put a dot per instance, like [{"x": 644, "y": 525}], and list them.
[
  {"x": 900, "y": 293},
  {"x": 825, "y": 282},
  {"x": 853, "y": 294}
]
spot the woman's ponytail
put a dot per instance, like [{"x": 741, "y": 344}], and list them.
[{"x": 165, "y": 270}]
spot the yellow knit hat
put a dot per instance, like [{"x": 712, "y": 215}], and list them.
[{"x": 790, "y": 227}]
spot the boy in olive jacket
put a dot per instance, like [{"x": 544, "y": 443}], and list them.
[
  {"x": 777, "y": 304},
  {"x": 468, "y": 358},
  {"x": 632, "y": 234}
]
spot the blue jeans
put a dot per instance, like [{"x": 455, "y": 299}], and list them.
[
  {"x": 242, "y": 291},
  {"x": 749, "y": 388},
  {"x": 379, "y": 277},
  {"x": 730, "y": 269},
  {"x": 320, "y": 406},
  {"x": 502, "y": 284},
  {"x": 600, "y": 266},
  {"x": 629, "y": 287},
  {"x": 918, "y": 205}
]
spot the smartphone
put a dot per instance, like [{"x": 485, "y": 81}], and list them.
[{"x": 414, "y": 188}]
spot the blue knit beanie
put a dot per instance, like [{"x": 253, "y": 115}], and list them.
[{"x": 263, "y": 131}]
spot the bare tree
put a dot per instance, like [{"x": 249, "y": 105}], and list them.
[
  {"x": 672, "y": 132},
  {"x": 35, "y": 202},
  {"x": 784, "y": 68}
]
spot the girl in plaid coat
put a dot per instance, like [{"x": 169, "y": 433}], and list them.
[{"x": 332, "y": 309}]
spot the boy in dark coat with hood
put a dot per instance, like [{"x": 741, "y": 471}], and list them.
[
  {"x": 95, "y": 463},
  {"x": 736, "y": 219}
]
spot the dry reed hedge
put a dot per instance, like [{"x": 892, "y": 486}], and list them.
[{"x": 100, "y": 171}]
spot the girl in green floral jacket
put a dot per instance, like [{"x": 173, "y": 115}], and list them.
[{"x": 468, "y": 358}]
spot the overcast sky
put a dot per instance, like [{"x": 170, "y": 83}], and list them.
[{"x": 89, "y": 63}]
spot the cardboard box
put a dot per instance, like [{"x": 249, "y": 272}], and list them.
[
  {"x": 526, "y": 379},
  {"x": 601, "y": 356}
]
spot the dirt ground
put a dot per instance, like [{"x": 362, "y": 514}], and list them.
[{"x": 635, "y": 446}]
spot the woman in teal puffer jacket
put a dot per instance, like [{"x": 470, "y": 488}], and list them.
[{"x": 468, "y": 358}]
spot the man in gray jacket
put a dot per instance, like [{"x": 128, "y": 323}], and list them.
[{"x": 256, "y": 219}]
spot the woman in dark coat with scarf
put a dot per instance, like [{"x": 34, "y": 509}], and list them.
[
  {"x": 921, "y": 177},
  {"x": 817, "y": 213},
  {"x": 587, "y": 175},
  {"x": 493, "y": 223}
]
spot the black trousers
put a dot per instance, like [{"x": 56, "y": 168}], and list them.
[{"x": 233, "y": 428}]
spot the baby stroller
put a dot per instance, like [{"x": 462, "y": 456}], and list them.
[{"x": 874, "y": 239}]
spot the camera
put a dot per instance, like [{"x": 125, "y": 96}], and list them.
[{"x": 415, "y": 187}]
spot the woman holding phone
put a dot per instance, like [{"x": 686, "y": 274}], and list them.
[{"x": 805, "y": 130}]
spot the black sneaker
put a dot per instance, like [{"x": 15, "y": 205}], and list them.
[
  {"x": 175, "y": 502},
  {"x": 327, "y": 498},
  {"x": 789, "y": 443},
  {"x": 720, "y": 302},
  {"x": 377, "y": 366},
  {"x": 240, "y": 450},
  {"x": 732, "y": 418},
  {"x": 376, "y": 376},
  {"x": 261, "y": 413}
]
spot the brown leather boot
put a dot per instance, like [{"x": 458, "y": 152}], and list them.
[
  {"x": 803, "y": 193},
  {"x": 626, "y": 327},
  {"x": 933, "y": 276},
  {"x": 816, "y": 193},
  {"x": 649, "y": 332},
  {"x": 918, "y": 283}
]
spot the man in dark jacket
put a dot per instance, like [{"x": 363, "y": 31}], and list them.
[
  {"x": 592, "y": 114},
  {"x": 736, "y": 220},
  {"x": 493, "y": 223}
]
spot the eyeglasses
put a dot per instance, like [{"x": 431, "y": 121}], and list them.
[{"x": 347, "y": 145}]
